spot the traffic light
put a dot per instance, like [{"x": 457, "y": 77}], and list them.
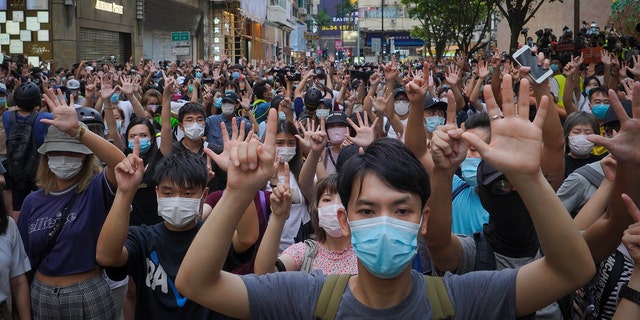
[
  {"x": 325, "y": 53},
  {"x": 278, "y": 52}
]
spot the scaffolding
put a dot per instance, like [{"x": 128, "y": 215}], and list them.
[{"x": 235, "y": 30}]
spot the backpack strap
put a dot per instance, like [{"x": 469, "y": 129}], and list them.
[
  {"x": 591, "y": 174},
  {"x": 459, "y": 189},
  {"x": 441, "y": 306},
  {"x": 330, "y": 296},
  {"x": 485, "y": 258},
  {"x": 310, "y": 250}
]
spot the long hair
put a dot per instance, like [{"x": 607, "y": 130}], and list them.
[
  {"x": 46, "y": 179},
  {"x": 295, "y": 164},
  {"x": 326, "y": 184}
]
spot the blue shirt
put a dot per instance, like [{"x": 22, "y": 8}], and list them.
[
  {"x": 261, "y": 110},
  {"x": 467, "y": 213},
  {"x": 214, "y": 134}
]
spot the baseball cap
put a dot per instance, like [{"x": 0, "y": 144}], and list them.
[
  {"x": 231, "y": 97},
  {"x": 435, "y": 103},
  {"x": 73, "y": 84},
  {"x": 611, "y": 115},
  {"x": 337, "y": 117}
]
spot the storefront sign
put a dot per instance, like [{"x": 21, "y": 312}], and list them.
[{"x": 109, "y": 7}]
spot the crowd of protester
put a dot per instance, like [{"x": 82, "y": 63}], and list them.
[{"x": 160, "y": 190}]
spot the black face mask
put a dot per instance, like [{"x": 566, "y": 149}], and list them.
[{"x": 510, "y": 229}]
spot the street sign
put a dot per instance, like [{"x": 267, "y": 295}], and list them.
[
  {"x": 181, "y": 51},
  {"x": 338, "y": 44},
  {"x": 180, "y": 36}
]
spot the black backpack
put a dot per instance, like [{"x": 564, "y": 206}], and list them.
[{"x": 22, "y": 151}]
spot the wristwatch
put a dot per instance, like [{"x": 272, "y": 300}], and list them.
[{"x": 629, "y": 294}]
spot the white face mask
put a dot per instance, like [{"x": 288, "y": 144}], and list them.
[
  {"x": 328, "y": 219},
  {"x": 286, "y": 153},
  {"x": 194, "y": 131},
  {"x": 65, "y": 167},
  {"x": 178, "y": 211},
  {"x": 401, "y": 107},
  {"x": 580, "y": 146},
  {"x": 227, "y": 109}
]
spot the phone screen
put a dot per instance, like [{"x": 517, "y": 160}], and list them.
[{"x": 526, "y": 58}]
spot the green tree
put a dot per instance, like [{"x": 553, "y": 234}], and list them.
[
  {"x": 518, "y": 13},
  {"x": 434, "y": 27},
  {"x": 451, "y": 21},
  {"x": 347, "y": 9},
  {"x": 322, "y": 18}
]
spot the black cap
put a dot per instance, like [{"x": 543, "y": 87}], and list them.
[
  {"x": 487, "y": 173},
  {"x": 231, "y": 97},
  {"x": 398, "y": 91},
  {"x": 611, "y": 115},
  {"x": 337, "y": 117},
  {"x": 435, "y": 103}
]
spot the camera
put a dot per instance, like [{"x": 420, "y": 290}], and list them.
[
  {"x": 207, "y": 80},
  {"x": 319, "y": 71},
  {"x": 296, "y": 76}
]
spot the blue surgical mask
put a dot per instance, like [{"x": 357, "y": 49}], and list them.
[
  {"x": 63, "y": 79},
  {"x": 3, "y": 101},
  {"x": 199, "y": 75},
  {"x": 322, "y": 113},
  {"x": 384, "y": 245},
  {"x": 433, "y": 122},
  {"x": 600, "y": 110},
  {"x": 190, "y": 88},
  {"x": 273, "y": 92},
  {"x": 115, "y": 98},
  {"x": 469, "y": 168},
  {"x": 119, "y": 125},
  {"x": 145, "y": 145},
  {"x": 554, "y": 67},
  {"x": 235, "y": 75},
  {"x": 282, "y": 115},
  {"x": 217, "y": 102}
]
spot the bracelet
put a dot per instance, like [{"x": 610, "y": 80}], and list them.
[{"x": 80, "y": 131}]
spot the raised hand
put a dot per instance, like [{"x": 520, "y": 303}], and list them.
[
  {"x": 483, "y": 69},
  {"x": 417, "y": 89},
  {"x": 516, "y": 143},
  {"x": 315, "y": 138},
  {"x": 624, "y": 145},
  {"x": 169, "y": 86},
  {"x": 365, "y": 133},
  {"x": 448, "y": 150},
  {"x": 126, "y": 84},
  {"x": 106, "y": 88},
  {"x": 130, "y": 170},
  {"x": 65, "y": 117},
  {"x": 636, "y": 66},
  {"x": 381, "y": 103},
  {"x": 237, "y": 136},
  {"x": 250, "y": 163},
  {"x": 453, "y": 74},
  {"x": 281, "y": 196}
]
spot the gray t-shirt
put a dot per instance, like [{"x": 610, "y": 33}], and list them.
[
  {"x": 467, "y": 264},
  {"x": 293, "y": 295}
]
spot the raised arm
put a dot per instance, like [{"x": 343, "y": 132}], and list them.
[
  {"x": 166, "y": 134},
  {"x": 448, "y": 151},
  {"x": 200, "y": 277},
  {"x": 597, "y": 204},
  {"x": 107, "y": 90},
  {"x": 128, "y": 85},
  {"x": 66, "y": 119},
  {"x": 604, "y": 235},
  {"x": 280, "y": 210},
  {"x": 416, "y": 135},
  {"x": 515, "y": 149},
  {"x": 628, "y": 309},
  {"x": 110, "y": 250},
  {"x": 318, "y": 139}
]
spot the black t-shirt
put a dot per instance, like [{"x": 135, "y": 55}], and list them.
[
  {"x": 571, "y": 164},
  {"x": 155, "y": 255},
  {"x": 144, "y": 209}
]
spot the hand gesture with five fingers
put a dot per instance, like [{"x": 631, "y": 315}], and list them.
[
  {"x": 65, "y": 117},
  {"x": 516, "y": 143},
  {"x": 313, "y": 137},
  {"x": 365, "y": 133}
]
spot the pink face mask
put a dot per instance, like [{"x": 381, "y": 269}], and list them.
[{"x": 336, "y": 134}]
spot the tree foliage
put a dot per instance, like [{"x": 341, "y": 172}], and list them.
[
  {"x": 451, "y": 21},
  {"x": 517, "y": 13},
  {"x": 322, "y": 18}
]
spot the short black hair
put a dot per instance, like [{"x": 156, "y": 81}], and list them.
[
  {"x": 602, "y": 89},
  {"x": 478, "y": 120},
  {"x": 259, "y": 88},
  {"x": 391, "y": 161},
  {"x": 191, "y": 107},
  {"x": 184, "y": 169}
]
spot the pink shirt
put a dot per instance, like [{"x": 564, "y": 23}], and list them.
[{"x": 330, "y": 262}]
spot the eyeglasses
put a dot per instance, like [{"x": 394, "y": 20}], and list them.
[{"x": 501, "y": 186}]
